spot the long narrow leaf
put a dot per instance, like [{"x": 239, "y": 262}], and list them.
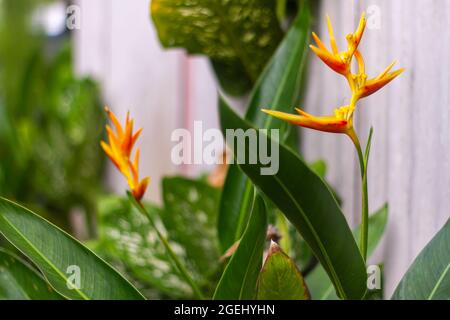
[
  {"x": 18, "y": 281},
  {"x": 318, "y": 281},
  {"x": 61, "y": 258},
  {"x": 311, "y": 207},
  {"x": 238, "y": 281}
]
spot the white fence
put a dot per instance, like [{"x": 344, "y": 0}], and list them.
[{"x": 410, "y": 165}]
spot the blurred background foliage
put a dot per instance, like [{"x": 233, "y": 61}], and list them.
[{"x": 50, "y": 120}]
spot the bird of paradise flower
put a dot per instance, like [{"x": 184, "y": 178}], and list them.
[{"x": 342, "y": 120}]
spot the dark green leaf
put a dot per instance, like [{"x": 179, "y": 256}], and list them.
[
  {"x": 280, "y": 278},
  {"x": 278, "y": 88},
  {"x": 58, "y": 256},
  {"x": 238, "y": 281},
  {"x": 318, "y": 281},
  {"x": 19, "y": 281},
  {"x": 310, "y": 206},
  {"x": 239, "y": 37},
  {"x": 428, "y": 278}
]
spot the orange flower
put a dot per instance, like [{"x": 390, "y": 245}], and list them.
[
  {"x": 342, "y": 120},
  {"x": 366, "y": 88},
  {"x": 339, "y": 61},
  {"x": 119, "y": 151}
]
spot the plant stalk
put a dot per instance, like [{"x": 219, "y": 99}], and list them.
[
  {"x": 364, "y": 234},
  {"x": 180, "y": 266}
]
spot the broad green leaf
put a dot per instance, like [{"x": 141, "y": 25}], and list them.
[
  {"x": 238, "y": 36},
  {"x": 126, "y": 235},
  {"x": 278, "y": 88},
  {"x": 428, "y": 278},
  {"x": 280, "y": 278},
  {"x": 19, "y": 281},
  {"x": 310, "y": 206},
  {"x": 190, "y": 218},
  {"x": 238, "y": 281},
  {"x": 61, "y": 258},
  {"x": 291, "y": 241},
  {"x": 318, "y": 281}
]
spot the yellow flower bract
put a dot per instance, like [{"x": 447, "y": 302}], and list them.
[
  {"x": 119, "y": 148},
  {"x": 360, "y": 86}
]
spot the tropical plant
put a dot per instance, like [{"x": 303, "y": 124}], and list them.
[{"x": 278, "y": 236}]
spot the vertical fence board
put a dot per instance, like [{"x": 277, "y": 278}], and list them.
[{"x": 409, "y": 165}]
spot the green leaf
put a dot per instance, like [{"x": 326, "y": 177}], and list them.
[
  {"x": 318, "y": 281},
  {"x": 319, "y": 167},
  {"x": 377, "y": 225},
  {"x": 19, "y": 281},
  {"x": 278, "y": 88},
  {"x": 428, "y": 278},
  {"x": 125, "y": 234},
  {"x": 280, "y": 85},
  {"x": 310, "y": 206},
  {"x": 239, "y": 37},
  {"x": 190, "y": 217},
  {"x": 235, "y": 205},
  {"x": 238, "y": 281},
  {"x": 55, "y": 253},
  {"x": 280, "y": 278}
]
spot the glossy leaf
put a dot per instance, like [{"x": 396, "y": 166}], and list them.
[
  {"x": 278, "y": 88},
  {"x": 190, "y": 218},
  {"x": 60, "y": 257},
  {"x": 319, "y": 282},
  {"x": 238, "y": 281},
  {"x": 280, "y": 278},
  {"x": 310, "y": 206},
  {"x": 428, "y": 278},
  {"x": 239, "y": 37},
  {"x": 19, "y": 281}
]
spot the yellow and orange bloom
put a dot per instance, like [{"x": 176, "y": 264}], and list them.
[
  {"x": 371, "y": 86},
  {"x": 119, "y": 148},
  {"x": 340, "y": 122},
  {"x": 336, "y": 60},
  {"x": 360, "y": 86}
]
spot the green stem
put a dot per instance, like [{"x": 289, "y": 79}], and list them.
[
  {"x": 181, "y": 268},
  {"x": 365, "y": 199}
]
